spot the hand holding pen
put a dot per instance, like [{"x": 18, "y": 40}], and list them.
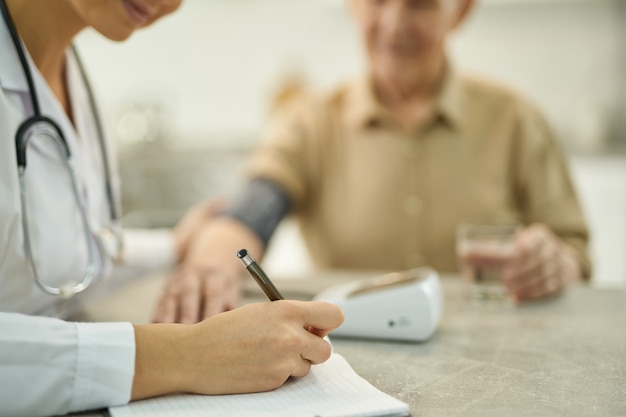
[{"x": 270, "y": 289}]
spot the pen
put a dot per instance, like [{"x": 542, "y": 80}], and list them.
[
  {"x": 263, "y": 280},
  {"x": 259, "y": 276}
]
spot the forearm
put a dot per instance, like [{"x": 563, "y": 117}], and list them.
[
  {"x": 158, "y": 359},
  {"x": 261, "y": 206},
  {"x": 219, "y": 241}
]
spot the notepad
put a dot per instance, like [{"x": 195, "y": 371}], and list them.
[{"x": 332, "y": 389}]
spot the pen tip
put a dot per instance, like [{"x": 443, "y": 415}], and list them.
[{"x": 242, "y": 253}]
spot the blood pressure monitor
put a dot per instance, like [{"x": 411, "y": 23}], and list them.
[{"x": 403, "y": 305}]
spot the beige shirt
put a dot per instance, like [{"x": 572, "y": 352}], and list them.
[{"x": 370, "y": 195}]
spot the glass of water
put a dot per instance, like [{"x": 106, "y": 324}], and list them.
[{"x": 483, "y": 252}]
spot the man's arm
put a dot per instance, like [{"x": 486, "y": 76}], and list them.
[{"x": 208, "y": 281}]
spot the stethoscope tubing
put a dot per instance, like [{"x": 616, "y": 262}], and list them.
[
  {"x": 22, "y": 139},
  {"x": 71, "y": 288},
  {"x": 21, "y": 146}
]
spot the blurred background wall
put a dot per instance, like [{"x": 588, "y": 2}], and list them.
[{"x": 186, "y": 99}]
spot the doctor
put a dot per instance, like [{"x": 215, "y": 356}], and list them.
[{"x": 60, "y": 237}]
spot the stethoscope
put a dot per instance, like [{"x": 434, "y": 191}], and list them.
[{"x": 110, "y": 238}]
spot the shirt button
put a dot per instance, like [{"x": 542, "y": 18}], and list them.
[{"x": 412, "y": 205}]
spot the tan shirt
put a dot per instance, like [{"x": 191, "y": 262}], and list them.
[{"x": 370, "y": 195}]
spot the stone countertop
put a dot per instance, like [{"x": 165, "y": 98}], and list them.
[
  {"x": 564, "y": 356},
  {"x": 557, "y": 357}
]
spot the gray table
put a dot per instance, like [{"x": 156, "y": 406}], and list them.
[
  {"x": 560, "y": 357},
  {"x": 565, "y": 356}
]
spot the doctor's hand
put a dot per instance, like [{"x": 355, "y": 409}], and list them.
[
  {"x": 250, "y": 349},
  {"x": 208, "y": 280},
  {"x": 541, "y": 266}
]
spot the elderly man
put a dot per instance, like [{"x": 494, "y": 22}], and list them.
[{"x": 380, "y": 172}]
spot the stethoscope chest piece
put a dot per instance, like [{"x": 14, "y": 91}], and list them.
[{"x": 112, "y": 243}]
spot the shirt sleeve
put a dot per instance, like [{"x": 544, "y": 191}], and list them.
[
  {"x": 289, "y": 151},
  {"x": 49, "y": 366},
  {"x": 261, "y": 206},
  {"x": 149, "y": 248},
  {"x": 544, "y": 186}
]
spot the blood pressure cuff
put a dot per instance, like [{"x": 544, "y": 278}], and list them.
[{"x": 261, "y": 206}]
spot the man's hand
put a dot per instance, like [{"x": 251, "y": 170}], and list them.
[
  {"x": 193, "y": 220},
  {"x": 541, "y": 266},
  {"x": 194, "y": 293},
  {"x": 208, "y": 279}
]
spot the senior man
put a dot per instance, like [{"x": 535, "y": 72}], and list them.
[{"x": 381, "y": 170}]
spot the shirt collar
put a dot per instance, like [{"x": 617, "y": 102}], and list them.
[
  {"x": 366, "y": 111},
  {"x": 450, "y": 98}
]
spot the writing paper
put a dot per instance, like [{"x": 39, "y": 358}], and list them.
[{"x": 331, "y": 389}]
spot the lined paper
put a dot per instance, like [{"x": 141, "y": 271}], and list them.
[{"x": 331, "y": 389}]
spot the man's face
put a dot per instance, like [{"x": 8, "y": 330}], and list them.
[{"x": 404, "y": 34}]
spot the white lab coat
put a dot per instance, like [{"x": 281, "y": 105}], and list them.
[{"x": 48, "y": 366}]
